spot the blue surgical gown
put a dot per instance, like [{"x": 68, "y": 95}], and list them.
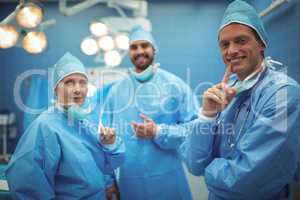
[
  {"x": 60, "y": 158},
  {"x": 252, "y": 150},
  {"x": 152, "y": 169}
]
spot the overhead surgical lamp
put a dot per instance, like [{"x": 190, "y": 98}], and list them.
[
  {"x": 8, "y": 36},
  {"x": 109, "y": 36},
  {"x": 35, "y": 42},
  {"x": 112, "y": 58},
  {"x": 109, "y": 48},
  {"x": 29, "y": 15},
  {"x": 89, "y": 46},
  {"x": 122, "y": 41},
  {"x": 106, "y": 43},
  {"x": 98, "y": 29}
]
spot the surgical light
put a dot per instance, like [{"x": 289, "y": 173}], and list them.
[
  {"x": 122, "y": 41},
  {"x": 112, "y": 58},
  {"x": 29, "y": 16},
  {"x": 89, "y": 46},
  {"x": 106, "y": 43},
  {"x": 35, "y": 42},
  {"x": 8, "y": 36},
  {"x": 98, "y": 29}
]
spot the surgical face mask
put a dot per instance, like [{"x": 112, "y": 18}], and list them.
[
  {"x": 247, "y": 83},
  {"x": 253, "y": 78},
  {"x": 78, "y": 112},
  {"x": 145, "y": 75},
  {"x": 241, "y": 86}
]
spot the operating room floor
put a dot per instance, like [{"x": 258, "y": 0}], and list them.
[{"x": 197, "y": 185}]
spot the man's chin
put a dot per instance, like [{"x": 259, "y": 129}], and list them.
[
  {"x": 76, "y": 103},
  {"x": 142, "y": 67},
  {"x": 79, "y": 103},
  {"x": 235, "y": 68}
]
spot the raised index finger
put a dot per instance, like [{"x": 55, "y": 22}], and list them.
[
  {"x": 227, "y": 74},
  {"x": 145, "y": 118}
]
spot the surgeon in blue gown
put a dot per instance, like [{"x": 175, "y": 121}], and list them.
[
  {"x": 149, "y": 96},
  {"x": 62, "y": 155},
  {"x": 246, "y": 142}
]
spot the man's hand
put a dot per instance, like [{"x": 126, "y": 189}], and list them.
[
  {"x": 146, "y": 130},
  {"x": 112, "y": 193},
  {"x": 217, "y": 98},
  {"x": 107, "y": 135}
]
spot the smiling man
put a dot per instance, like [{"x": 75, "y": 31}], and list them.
[
  {"x": 245, "y": 142},
  {"x": 150, "y": 96},
  {"x": 240, "y": 37}
]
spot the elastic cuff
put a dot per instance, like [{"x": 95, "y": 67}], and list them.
[
  {"x": 205, "y": 118},
  {"x": 158, "y": 131},
  {"x": 111, "y": 147}
]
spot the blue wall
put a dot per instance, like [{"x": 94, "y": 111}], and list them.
[
  {"x": 187, "y": 38},
  {"x": 283, "y": 28},
  {"x": 186, "y": 33}
]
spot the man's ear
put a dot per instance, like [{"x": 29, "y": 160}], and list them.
[
  {"x": 55, "y": 91},
  {"x": 262, "y": 46},
  {"x": 154, "y": 51}
]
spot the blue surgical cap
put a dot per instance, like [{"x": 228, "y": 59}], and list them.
[
  {"x": 241, "y": 12},
  {"x": 67, "y": 65},
  {"x": 138, "y": 33}
]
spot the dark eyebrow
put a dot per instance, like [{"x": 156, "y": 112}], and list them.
[
  {"x": 145, "y": 43},
  {"x": 133, "y": 46},
  {"x": 242, "y": 36},
  {"x": 68, "y": 80},
  {"x": 222, "y": 42}
]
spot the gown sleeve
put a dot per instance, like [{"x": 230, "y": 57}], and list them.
[
  {"x": 31, "y": 171},
  {"x": 267, "y": 154},
  {"x": 171, "y": 137}
]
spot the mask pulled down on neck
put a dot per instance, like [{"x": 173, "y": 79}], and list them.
[
  {"x": 244, "y": 85},
  {"x": 248, "y": 82},
  {"x": 145, "y": 75},
  {"x": 78, "y": 112}
]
